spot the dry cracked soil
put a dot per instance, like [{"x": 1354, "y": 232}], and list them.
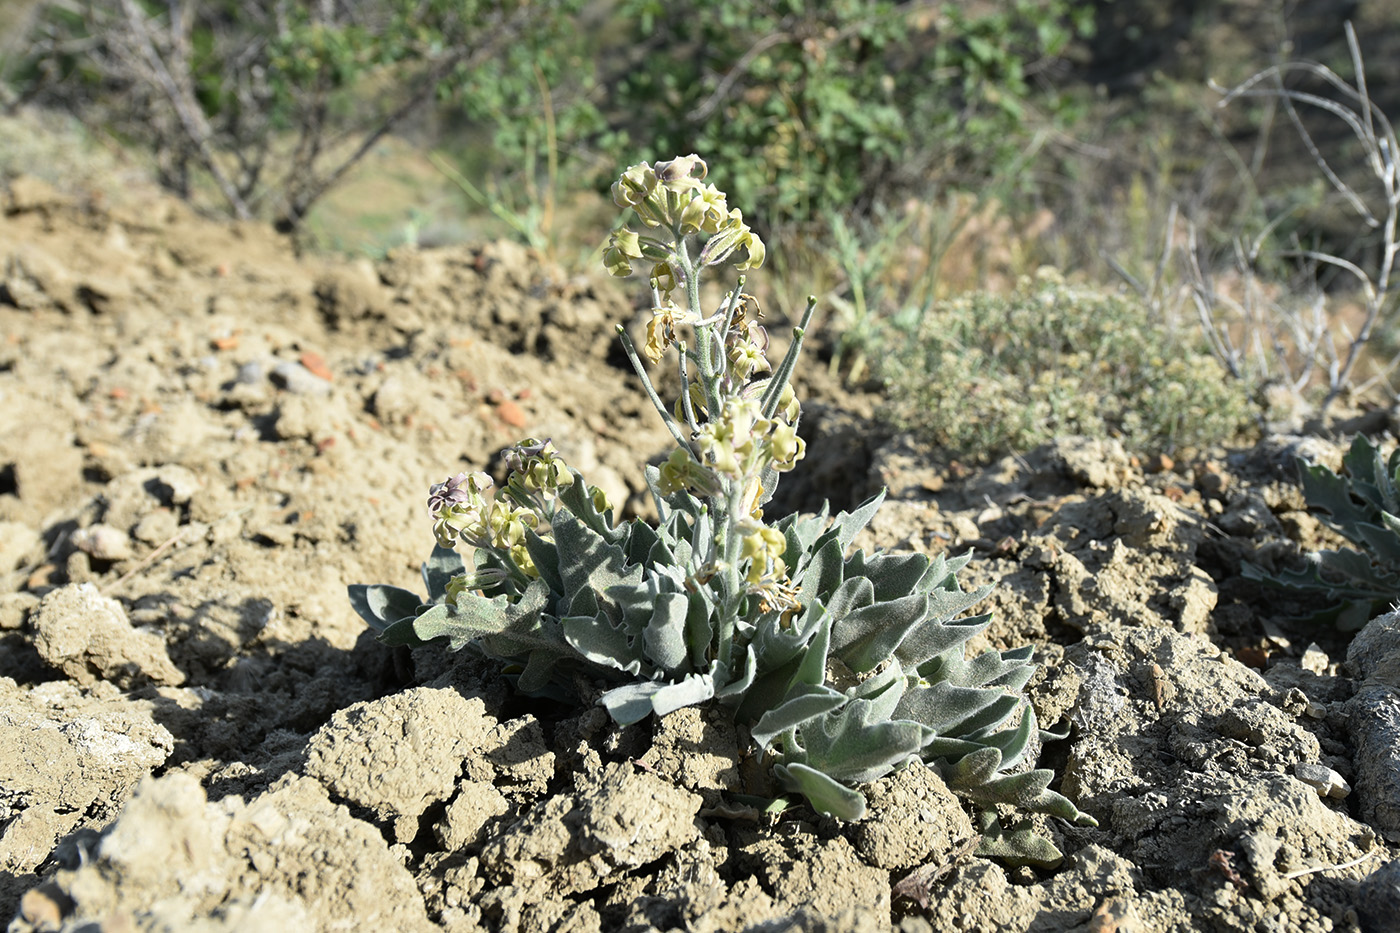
[{"x": 204, "y": 438}]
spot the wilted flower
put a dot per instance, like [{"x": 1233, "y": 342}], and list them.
[
  {"x": 785, "y": 447},
  {"x": 661, "y": 330},
  {"x": 681, "y": 471},
  {"x": 729, "y": 440},
  {"x": 480, "y": 579},
  {"x": 458, "y": 508}
]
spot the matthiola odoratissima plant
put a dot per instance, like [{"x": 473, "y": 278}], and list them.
[{"x": 841, "y": 667}]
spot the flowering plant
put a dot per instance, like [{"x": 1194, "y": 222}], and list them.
[{"x": 841, "y": 667}]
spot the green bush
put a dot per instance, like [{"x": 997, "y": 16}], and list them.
[
  {"x": 846, "y": 103},
  {"x": 990, "y": 373}
]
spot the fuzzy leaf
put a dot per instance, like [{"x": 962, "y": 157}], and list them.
[
  {"x": 822, "y": 573},
  {"x": 746, "y": 676},
  {"x": 579, "y": 502},
  {"x": 1021, "y": 845},
  {"x": 600, "y": 641},
  {"x": 868, "y": 635},
  {"x": 822, "y": 792},
  {"x": 938, "y": 635},
  {"x": 381, "y": 605},
  {"x": 699, "y": 626},
  {"x": 664, "y": 635},
  {"x": 802, "y": 533},
  {"x": 587, "y": 559},
  {"x": 636, "y": 701},
  {"x": 853, "y": 745},
  {"x": 803, "y": 704},
  {"x": 813, "y": 667},
  {"x": 545, "y": 554},
  {"x": 442, "y": 565},
  {"x": 850, "y": 524},
  {"x": 893, "y": 575},
  {"x": 955, "y": 711}
]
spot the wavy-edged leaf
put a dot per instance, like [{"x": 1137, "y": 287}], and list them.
[
  {"x": 893, "y": 575},
  {"x": 803, "y": 704},
  {"x": 579, "y": 502},
  {"x": 867, "y": 635},
  {"x": 849, "y": 524},
  {"x": 746, "y": 676},
  {"x": 545, "y": 553},
  {"x": 1019, "y": 845},
  {"x": 825, "y": 794},
  {"x": 636, "y": 701},
  {"x": 597, "y": 639},
  {"x": 822, "y": 572},
  {"x": 955, "y": 711},
  {"x": 854, "y": 745},
  {"x": 664, "y": 634},
  {"x": 587, "y": 559},
  {"x": 938, "y": 635}
]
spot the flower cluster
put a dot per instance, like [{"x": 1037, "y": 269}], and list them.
[
  {"x": 538, "y": 475},
  {"x": 736, "y": 421},
  {"x": 672, "y": 196}
]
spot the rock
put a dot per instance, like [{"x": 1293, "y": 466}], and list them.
[
  {"x": 299, "y": 380},
  {"x": 102, "y": 542},
  {"x": 15, "y": 609},
  {"x": 28, "y": 193},
  {"x": 569, "y": 844},
  {"x": 1324, "y": 780},
  {"x": 87, "y": 636},
  {"x": 913, "y": 819},
  {"x": 1374, "y": 721},
  {"x": 287, "y": 860},
  {"x": 399, "y": 755},
  {"x": 1374, "y": 654},
  {"x": 62, "y": 752},
  {"x": 476, "y": 804},
  {"x": 19, "y": 544},
  {"x": 1378, "y": 898}
]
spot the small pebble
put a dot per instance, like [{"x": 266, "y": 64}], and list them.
[
  {"x": 1324, "y": 780},
  {"x": 298, "y": 380},
  {"x": 102, "y": 542},
  {"x": 1314, "y": 659}
]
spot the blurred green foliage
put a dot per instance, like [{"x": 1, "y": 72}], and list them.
[
  {"x": 807, "y": 106},
  {"x": 799, "y": 106}
]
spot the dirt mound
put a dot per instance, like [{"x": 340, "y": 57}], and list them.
[{"x": 205, "y": 438}]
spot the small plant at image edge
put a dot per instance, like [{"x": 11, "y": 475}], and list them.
[
  {"x": 841, "y": 668},
  {"x": 1362, "y": 506}
]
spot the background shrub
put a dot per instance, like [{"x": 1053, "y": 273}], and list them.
[{"x": 987, "y": 374}]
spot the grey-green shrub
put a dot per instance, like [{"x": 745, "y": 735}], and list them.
[{"x": 987, "y": 373}]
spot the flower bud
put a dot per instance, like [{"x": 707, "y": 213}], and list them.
[
  {"x": 635, "y": 184},
  {"x": 682, "y": 173}
]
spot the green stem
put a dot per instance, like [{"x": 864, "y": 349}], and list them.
[
  {"x": 711, "y": 364},
  {"x": 731, "y": 593},
  {"x": 631, "y": 350},
  {"x": 687, "y": 407},
  {"x": 774, "y": 392}
]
